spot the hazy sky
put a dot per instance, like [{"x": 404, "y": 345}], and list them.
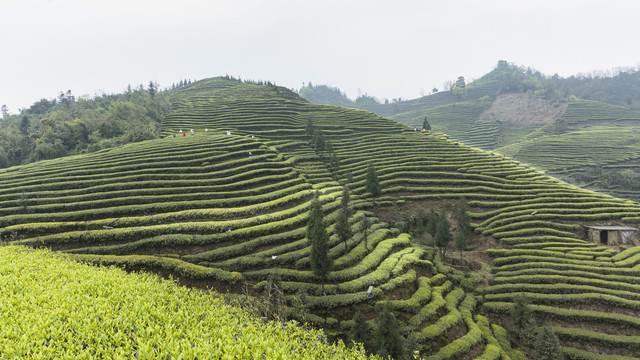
[{"x": 387, "y": 49}]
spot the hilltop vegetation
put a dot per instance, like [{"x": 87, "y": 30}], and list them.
[
  {"x": 228, "y": 208},
  {"x": 67, "y": 125},
  {"x": 521, "y": 113}
]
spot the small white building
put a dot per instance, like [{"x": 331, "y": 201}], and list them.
[{"x": 613, "y": 235}]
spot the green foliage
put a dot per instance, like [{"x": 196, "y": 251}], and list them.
[
  {"x": 546, "y": 345},
  {"x": 67, "y": 126},
  {"x": 443, "y": 235},
  {"x": 342, "y": 228},
  {"x": 426, "y": 125},
  {"x": 154, "y": 318},
  {"x": 372, "y": 183},
  {"x": 360, "y": 330},
  {"x": 389, "y": 341},
  {"x": 318, "y": 238},
  {"x": 523, "y": 322}
]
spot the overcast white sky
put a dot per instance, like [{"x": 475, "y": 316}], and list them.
[{"x": 387, "y": 49}]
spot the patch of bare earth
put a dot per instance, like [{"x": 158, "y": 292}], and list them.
[{"x": 523, "y": 110}]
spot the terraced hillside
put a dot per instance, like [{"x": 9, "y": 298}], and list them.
[
  {"x": 228, "y": 206},
  {"x": 521, "y": 114},
  {"x": 597, "y": 146}
]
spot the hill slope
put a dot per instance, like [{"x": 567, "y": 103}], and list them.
[
  {"x": 221, "y": 209},
  {"x": 69, "y": 310},
  {"x": 512, "y": 109}
]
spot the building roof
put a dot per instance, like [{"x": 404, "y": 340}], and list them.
[{"x": 614, "y": 228}]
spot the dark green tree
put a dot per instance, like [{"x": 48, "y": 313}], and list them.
[
  {"x": 426, "y": 125},
  {"x": 366, "y": 228},
  {"x": 372, "y": 183},
  {"x": 4, "y": 110},
  {"x": 546, "y": 345},
  {"x": 343, "y": 229},
  {"x": 318, "y": 238},
  {"x": 309, "y": 128},
  {"x": 152, "y": 89},
  {"x": 344, "y": 200},
  {"x": 443, "y": 235},
  {"x": 462, "y": 216},
  {"x": 432, "y": 223},
  {"x": 360, "y": 330},
  {"x": 389, "y": 341},
  {"x": 460, "y": 243},
  {"x": 24, "y": 125},
  {"x": 523, "y": 324}
]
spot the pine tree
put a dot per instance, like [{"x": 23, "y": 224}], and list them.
[
  {"x": 372, "y": 183},
  {"x": 152, "y": 89},
  {"x": 346, "y": 197},
  {"x": 443, "y": 236},
  {"x": 343, "y": 229},
  {"x": 426, "y": 125},
  {"x": 318, "y": 238},
  {"x": 432, "y": 223},
  {"x": 522, "y": 321},
  {"x": 366, "y": 227},
  {"x": 360, "y": 330},
  {"x": 460, "y": 243},
  {"x": 464, "y": 222},
  {"x": 546, "y": 345},
  {"x": 389, "y": 342},
  {"x": 309, "y": 128}
]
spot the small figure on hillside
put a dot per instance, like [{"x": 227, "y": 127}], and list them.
[
  {"x": 229, "y": 230},
  {"x": 205, "y": 129},
  {"x": 252, "y": 136},
  {"x": 249, "y": 153},
  {"x": 174, "y": 135},
  {"x": 192, "y": 132},
  {"x": 180, "y": 131},
  {"x": 228, "y": 132},
  {"x": 184, "y": 134}
]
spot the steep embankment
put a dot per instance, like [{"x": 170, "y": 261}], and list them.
[{"x": 219, "y": 209}]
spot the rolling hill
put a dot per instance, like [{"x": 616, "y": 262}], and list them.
[
  {"x": 535, "y": 119},
  {"x": 227, "y": 208}
]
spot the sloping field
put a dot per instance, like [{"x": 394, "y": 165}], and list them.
[
  {"x": 223, "y": 209},
  {"x": 54, "y": 308},
  {"x": 600, "y": 141}
]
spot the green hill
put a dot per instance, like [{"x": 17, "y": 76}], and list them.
[
  {"x": 522, "y": 114},
  {"x": 227, "y": 208}
]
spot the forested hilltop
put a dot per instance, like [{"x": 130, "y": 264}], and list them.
[
  {"x": 67, "y": 125},
  {"x": 405, "y": 241},
  {"x": 581, "y": 128}
]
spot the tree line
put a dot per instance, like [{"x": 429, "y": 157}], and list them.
[{"x": 68, "y": 125}]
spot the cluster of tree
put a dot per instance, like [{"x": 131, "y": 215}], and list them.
[
  {"x": 248, "y": 81},
  {"x": 432, "y": 228},
  {"x": 67, "y": 125},
  {"x": 384, "y": 337},
  {"x": 539, "y": 344},
  {"x": 181, "y": 84},
  {"x": 514, "y": 78},
  {"x": 459, "y": 88},
  {"x": 323, "y": 147},
  {"x": 618, "y": 87},
  {"x": 322, "y": 94}
]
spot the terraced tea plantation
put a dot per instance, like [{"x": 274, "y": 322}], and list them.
[
  {"x": 227, "y": 208},
  {"x": 598, "y": 148}
]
